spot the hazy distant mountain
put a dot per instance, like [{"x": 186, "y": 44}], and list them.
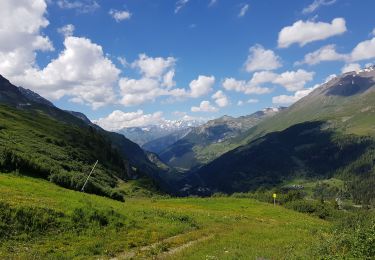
[
  {"x": 330, "y": 132},
  {"x": 201, "y": 144},
  {"x": 161, "y": 143},
  {"x": 145, "y": 134}
]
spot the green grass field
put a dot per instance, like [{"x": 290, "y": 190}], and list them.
[{"x": 84, "y": 226}]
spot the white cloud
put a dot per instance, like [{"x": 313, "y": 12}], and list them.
[
  {"x": 291, "y": 80},
  {"x": 244, "y": 86},
  {"x": 201, "y": 86},
  {"x": 66, "y": 30},
  {"x": 243, "y": 10},
  {"x": 21, "y": 23},
  {"x": 82, "y": 6},
  {"x": 81, "y": 71},
  {"x": 364, "y": 50},
  {"x": 262, "y": 77},
  {"x": 325, "y": 53},
  {"x": 220, "y": 99},
  {"x": 118, "y": 120},
  {"x": 294, "y": 80},
  {"x": 373, "y": 32},
  {"x": 157, "y": 79},
  {"x": 351, "y": 67},
  {"x": 179, "y": 5},
  {"x": 139, "y": 91},
  {"x": 316, "y": 4},
  {"x": 153, "y": 67},
  {"x": 261, "y": 59},
  {"x": 305, "y": 32},
  {"x": 119, "y": 15},
  {"x": 286, "y": 99},
  {"x": 205, "y": 106}
]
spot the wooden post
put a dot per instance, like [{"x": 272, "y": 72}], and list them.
[{"x": 92, "y": 170}]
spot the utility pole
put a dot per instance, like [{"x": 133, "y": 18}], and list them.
[{"x": 88, "y": 177}]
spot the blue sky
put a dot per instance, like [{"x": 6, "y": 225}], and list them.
[{"x": 151, "y": 60}]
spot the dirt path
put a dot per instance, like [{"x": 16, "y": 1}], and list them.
[{"x": 161, "y": 249}]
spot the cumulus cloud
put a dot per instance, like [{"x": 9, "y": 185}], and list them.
[
  {"x": 289, "y": 99},
  {"x": 205, "y": 106},
  {"x": 363, "y": 51},
  {"x": 316, "y": 4},
  {"x": 305, "y": 32},
  {"x": 244, "y": 86},
  {"x": 82, "y": 6},
  {"x": 21, "y": 23},
  {"x": 158, "y": 80},
  {"x": 118, "y": 120},
  {"x": 153, "y": 67},
  {"x": 220, "y": 99},
  {"x": 243, "y": 10},
  {"x": 66, "y": 30},
  {"x": 261, "y": 59},
  {"x": 179, "y": 5},
  {"x": 291, "y": 80},
  {"x": 325, "y": 53},
  {"x": 294, "y": 80},
  {"x": 81, "y": 71},
  {"x": 201, "y": 86},
  {"x": 120, "y": 15},
  {"x": 351, "y": 67}
]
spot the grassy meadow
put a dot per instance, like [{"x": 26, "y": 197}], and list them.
[{"x": 43, "y": 221}]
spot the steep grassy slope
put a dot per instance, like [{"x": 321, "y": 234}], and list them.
[
  {"x": 346, "y": 102},
  {"x": 41, "y": 140},
  {"x": 49, "y": 222},
  {"x": 329, "y": 132}
]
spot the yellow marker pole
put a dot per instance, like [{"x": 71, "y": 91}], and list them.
[{"x": 274, "y": 199}]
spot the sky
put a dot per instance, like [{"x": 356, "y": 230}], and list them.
[{"x": 128, "y": 63}]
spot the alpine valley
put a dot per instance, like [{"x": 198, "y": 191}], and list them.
[{"x": 187, "y": 129}]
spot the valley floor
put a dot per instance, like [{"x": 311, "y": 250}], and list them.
[{"x": 83, "y": 226}]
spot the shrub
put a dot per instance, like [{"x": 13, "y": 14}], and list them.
[{"x": 352, "y": 237}]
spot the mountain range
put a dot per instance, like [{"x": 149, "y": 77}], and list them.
[
  {"x": 205, "y": 142},
  {"x": 328, "y": 133}
]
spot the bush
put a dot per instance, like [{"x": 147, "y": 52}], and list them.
[
  {"x": 27, "y": 220},
  {"x": 352, "y": 237},
  {"x": 319, "y": 209}
]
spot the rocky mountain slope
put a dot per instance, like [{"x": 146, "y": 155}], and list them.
[
  {"x": 206, "y": 142},
  {"x": 330, "y": 132}
]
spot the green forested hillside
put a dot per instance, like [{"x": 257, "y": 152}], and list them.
[
  {"x": 41, "y": 140},
  {"x": 331, "y": 132}
]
